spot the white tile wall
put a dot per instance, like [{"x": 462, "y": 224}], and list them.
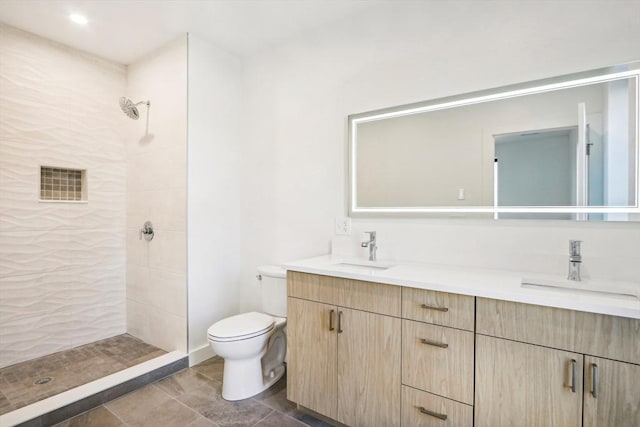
[
  {"x": 156, "y": 191},
  {"x": 62, "y": 280}
]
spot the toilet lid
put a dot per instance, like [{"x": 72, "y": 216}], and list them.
[{"x": 241, "y": 326}]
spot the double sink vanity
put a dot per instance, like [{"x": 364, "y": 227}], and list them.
[
  {"x": 408, "y": 344},
  {"x": 390, "y": 344}
]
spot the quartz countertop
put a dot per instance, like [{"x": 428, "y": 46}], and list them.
[{"x": 596, "y": 296}]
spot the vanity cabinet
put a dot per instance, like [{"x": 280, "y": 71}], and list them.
[
  {"x": 373, "y": 354},
  {"x": 344, "y": 343},
  {"x": 437, "y": 358},
  {"x": 548, "y": 366}
]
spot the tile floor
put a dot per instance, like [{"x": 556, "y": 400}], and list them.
[
  {"x": 69, "y": 369},
  {"x": 192, "y": 398}
]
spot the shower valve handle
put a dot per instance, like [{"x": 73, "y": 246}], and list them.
[{"x": 147, "y": 231}]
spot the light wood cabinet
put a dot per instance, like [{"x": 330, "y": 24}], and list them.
[
  {"x": 611, "y": 337},
  {"x": 521, "y": 384},
  {"x": 611, "y": 393},
  {"x": 439, "y": 308},
  {"x": 344, "y": 363},
  {"x": 507, "y": 371},
  {"x": 312, "y": 348},
  {"x": 368, "y": 369},
  {"x": 437, "y": 359},
  {"x": 358, "y": 294},
  {"x": 371, "y": 354},
  {"x": 421, "y": 409}
]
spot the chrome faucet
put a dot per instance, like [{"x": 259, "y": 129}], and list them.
[
  {"x": 575, "y": 259},
  {"x": 371, "y": 244}
]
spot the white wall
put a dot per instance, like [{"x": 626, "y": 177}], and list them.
[
  {"x": 214, "y": 176},
  {"x": 157, "y": 191},
  {"x": 300, "y": 94},
  {"x": 62, "y": 264}
]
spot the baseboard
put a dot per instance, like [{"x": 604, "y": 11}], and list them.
[
  {"x": 200, "y": 355},
  {"x": 88, "y": 396}
]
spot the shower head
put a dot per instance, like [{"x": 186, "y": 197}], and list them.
[{"x": 131, "y": 109}]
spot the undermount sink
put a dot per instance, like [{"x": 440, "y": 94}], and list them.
[
  {"x": 588, "y": 287},
  {"x": 363, "y": 265}
]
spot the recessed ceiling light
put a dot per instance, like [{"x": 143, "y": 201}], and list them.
[{"x": 78, "y": 19}]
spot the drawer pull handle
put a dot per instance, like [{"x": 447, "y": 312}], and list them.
[
  {"x": 574, "y": 366},
  {"x": 331, "y": 315},
  {"x": 594, "y": 380},
  {"x": 430, "y": 307},
  {"x": 433, "y": 343},
  {"x": 425, "y": 411},
  {"x": 339, "y": 322}
]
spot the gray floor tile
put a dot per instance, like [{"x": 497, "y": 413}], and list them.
[
  {"x": 277, "y": 419},
  {"x": 276, "y": 398},
  {"x": 99, "y": 417},
  {"x": 202, "y": 422},
  {"x": 186, "y": 381},
  {"x": 133, "y": 407},
  {"x": 210, "y": 404},
  {"x": 211, "y": 368},
  {"x": 169, "y": 414}
]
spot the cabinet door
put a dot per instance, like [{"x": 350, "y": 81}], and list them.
[
  {"x": 368, "y": 369},
  {"x": 521, "y": 384},
  {"x": 611, "y": 393},
  {"x": 312, "y": 346}
]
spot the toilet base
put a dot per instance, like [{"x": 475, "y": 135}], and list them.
[{"x": 243, "y": 379}]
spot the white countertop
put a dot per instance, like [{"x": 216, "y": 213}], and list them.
[{"x": 589, "y": 295}]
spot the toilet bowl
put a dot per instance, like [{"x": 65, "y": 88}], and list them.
[{"x": 254, "y": 344}]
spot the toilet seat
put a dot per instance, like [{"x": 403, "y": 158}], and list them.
[{"x": 241, "y": 327}]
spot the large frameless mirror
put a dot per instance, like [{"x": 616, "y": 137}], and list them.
[{"x": 562, "y": 148}]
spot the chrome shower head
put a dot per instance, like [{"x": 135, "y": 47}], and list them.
[{"x": 131, "y": 109}]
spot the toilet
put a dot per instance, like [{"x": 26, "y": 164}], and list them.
[{"x": 253, "y": 345}]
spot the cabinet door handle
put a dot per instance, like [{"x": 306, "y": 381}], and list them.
[
  {"x": 431, "y": 307},
  {"x": 339, "y": 322},
  {"x": 331, "y": 315},
  {"x": 594, "y": 380},
  {"x": 433, "y": 343},
  {"x": 425, "y": 411},
  {"x": 574, "y": 367}
]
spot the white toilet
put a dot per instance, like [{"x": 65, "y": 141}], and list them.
[{"x": 254, "y": 345}]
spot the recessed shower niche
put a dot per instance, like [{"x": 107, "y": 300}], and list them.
[{"x": 62, "y": 184}]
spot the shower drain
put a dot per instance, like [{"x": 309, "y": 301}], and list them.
[{"x": 43, "y": 380}]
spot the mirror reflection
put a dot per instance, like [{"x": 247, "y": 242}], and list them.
[{"x": 546, "y": 149}]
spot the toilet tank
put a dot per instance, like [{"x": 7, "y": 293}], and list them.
[{"x": 273, "y": 290}]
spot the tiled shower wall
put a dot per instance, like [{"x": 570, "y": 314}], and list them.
[
  {"x": 157, "y": 192},
  {"x": 62, "y": 264}
]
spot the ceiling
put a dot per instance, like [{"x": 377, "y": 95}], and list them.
[{"x": 125, "y": 30}]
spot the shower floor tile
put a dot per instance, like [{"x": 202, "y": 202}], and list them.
[{"x": 69, "y": 369}]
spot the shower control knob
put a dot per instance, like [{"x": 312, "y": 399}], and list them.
[{"x": 147, "y": 231}]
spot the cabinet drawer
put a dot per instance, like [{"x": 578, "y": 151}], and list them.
[
  {"x": 312, "y": 287},
  {"x": 356, "y": 294},
  {"x": 589, "y": 333},
  {"x": 440, "y": 308},
  {"x": 429, "y": 366},
  {"x": 414, "y": 401}
]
